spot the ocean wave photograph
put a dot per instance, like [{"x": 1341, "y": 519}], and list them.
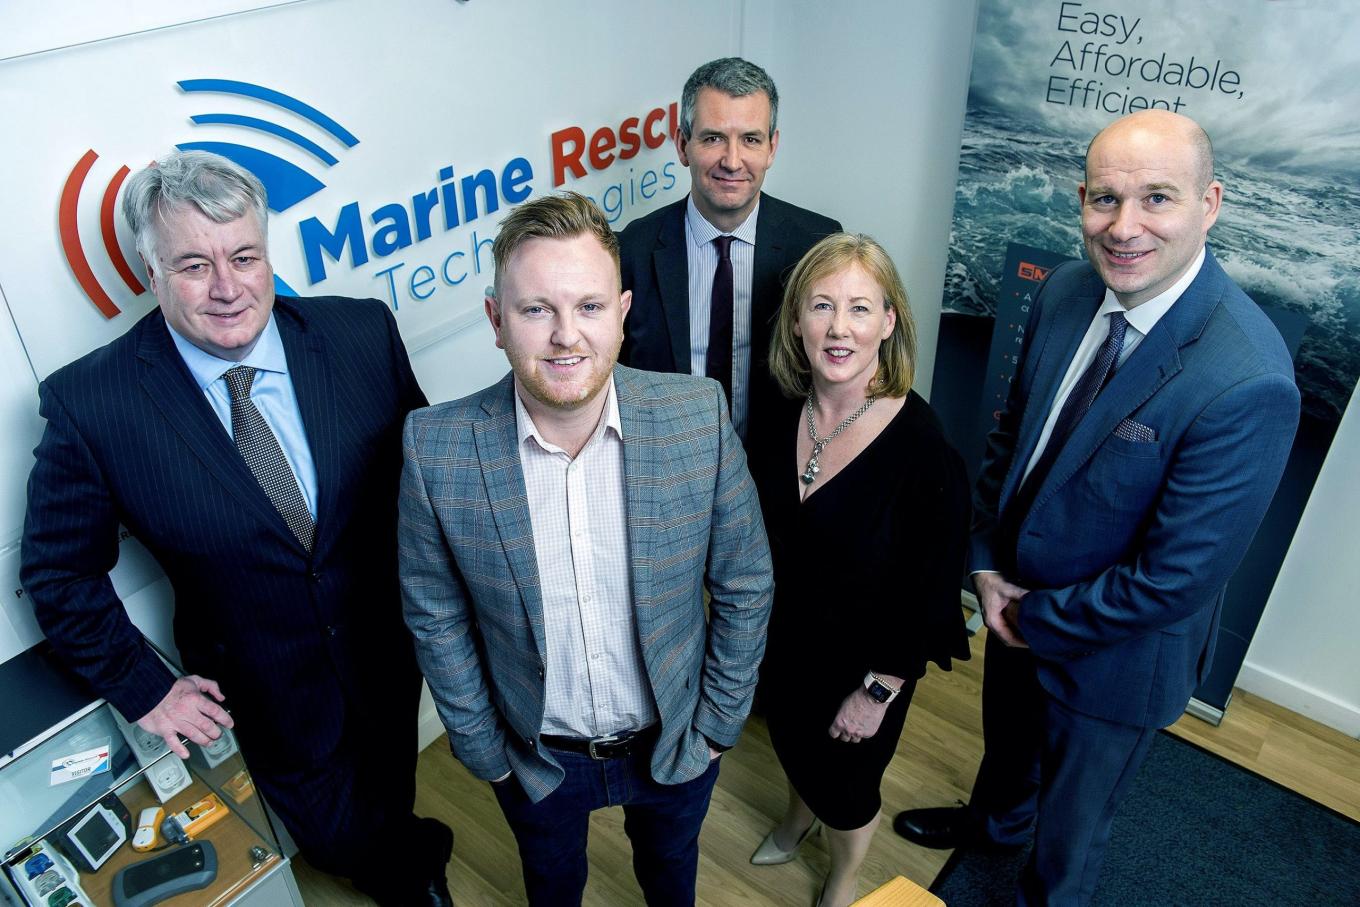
[{"x": 1289, "y": 231}]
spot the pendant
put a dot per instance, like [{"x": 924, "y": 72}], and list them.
[{"x": 810, "y": 474}]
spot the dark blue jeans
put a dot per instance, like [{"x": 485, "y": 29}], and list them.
[{"x": 661, "y": 820}]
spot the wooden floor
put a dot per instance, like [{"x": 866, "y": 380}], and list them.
[{"x": 935, "y": 764}]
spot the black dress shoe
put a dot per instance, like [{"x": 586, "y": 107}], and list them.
[
  {"x": 940, "y": 827},
  {"x": 433, "y": 846},
  {"x": 432, "y": 893},
  {"x": 435, "y": 894},
  {"x": 411, "y": 893},
  {"x": 437, "y": 841}
]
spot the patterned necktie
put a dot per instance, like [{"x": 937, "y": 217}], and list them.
[
  {"x": 1091, "y": 382},
  {"x": 262, "y": 453},
  {"x": 718, "y": 361}
]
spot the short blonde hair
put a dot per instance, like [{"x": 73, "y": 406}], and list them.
[
  {"x": 789, "y": 364},
  {"x": 563, "y": 216}
]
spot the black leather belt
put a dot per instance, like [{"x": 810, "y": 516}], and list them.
[{"x": 614, "y": 746}]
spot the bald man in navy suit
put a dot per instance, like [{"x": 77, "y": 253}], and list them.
[{"x": 1144, "y": 436}]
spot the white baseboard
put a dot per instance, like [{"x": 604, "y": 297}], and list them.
[{"x": 1298, "y": 697}]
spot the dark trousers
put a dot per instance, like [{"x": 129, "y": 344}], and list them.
[
  {"x": 342, "y": 809},
  {"x": 661, "y": 820},
  {"x": 1047, "y": 767}
]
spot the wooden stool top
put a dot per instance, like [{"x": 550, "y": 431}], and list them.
[{"x": 899, "y": 892}]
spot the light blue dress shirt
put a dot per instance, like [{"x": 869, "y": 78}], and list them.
[{"x": 272, "y": 393}]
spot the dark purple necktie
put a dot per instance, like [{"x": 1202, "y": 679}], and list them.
[
  {"x": 1091, "y": 382},
  {"x": 718, "y": 362}
]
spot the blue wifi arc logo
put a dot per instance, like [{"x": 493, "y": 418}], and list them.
[{"x": 286, "y": 183}]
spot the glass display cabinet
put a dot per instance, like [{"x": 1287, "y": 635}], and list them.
[{"x": 94, "y": 811}]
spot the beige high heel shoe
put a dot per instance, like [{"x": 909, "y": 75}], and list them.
[{"x": 769, "y": 854}]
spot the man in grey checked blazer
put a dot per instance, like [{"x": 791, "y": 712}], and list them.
[{"x": 557, "y": 532}]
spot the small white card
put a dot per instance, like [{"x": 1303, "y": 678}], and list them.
[{"x": 80, "y": 765}]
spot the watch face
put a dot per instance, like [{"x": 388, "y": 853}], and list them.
[{"x": 878, "y": 692}]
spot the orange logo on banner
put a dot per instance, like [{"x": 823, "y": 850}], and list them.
[{"x": 1032, "y": 272}]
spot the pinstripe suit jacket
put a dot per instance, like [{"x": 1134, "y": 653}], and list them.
[
  {"x": 470, "y": 584},
  {"x": 131, "y": 439}
]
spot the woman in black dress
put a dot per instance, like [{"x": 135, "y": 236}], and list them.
[{"x": 866, "y": 506}]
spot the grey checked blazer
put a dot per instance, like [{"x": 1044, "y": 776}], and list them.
[{"x": 470, "y": 584}]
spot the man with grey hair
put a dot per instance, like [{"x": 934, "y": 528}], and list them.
[
  {"x": 251, "y": 443},
  {"x": 706, "y": 272}
]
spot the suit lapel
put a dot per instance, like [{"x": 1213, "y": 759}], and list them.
[
  {"x": 1065, "y": 330},
  {"x": 642, "y": 490},
  {"x": 1150, "y": 366},
  {"x": 314, "y": 387},
  {"x": 765, "y": 283},
  {"x": 671, "y": 261},
  {"x": 1156, "y": 361},
  {"x": 166, "y": 380},
  {"x": 497, "y": 443},
  {"x": 639, "y": 469}
]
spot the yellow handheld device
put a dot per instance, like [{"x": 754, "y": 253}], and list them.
[{"x": 201, "y": 815}]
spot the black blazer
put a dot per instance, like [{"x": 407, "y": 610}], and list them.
[
  {"x": 131, "y": 439},
  {"x": 656, "y": 268}
]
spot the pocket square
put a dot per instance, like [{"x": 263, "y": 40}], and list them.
[{"x": 1130, "y": 430}]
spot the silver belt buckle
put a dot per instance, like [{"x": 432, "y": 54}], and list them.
[{"x": 612, "y": 738}]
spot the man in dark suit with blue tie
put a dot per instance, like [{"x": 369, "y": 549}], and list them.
[
  {"x": 707, "y": 272},
  {"x": 1144, "y": 436},
  {"x": 252, "y": 443}
]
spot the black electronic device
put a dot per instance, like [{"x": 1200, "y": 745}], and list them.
[
  {"x": 151, "y": 881},
  {"x": 94, "y": 835}
]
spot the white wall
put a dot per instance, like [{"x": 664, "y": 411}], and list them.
[
  {"x": 1304, "y": 653},
  {"x": 871, "y": 111}
]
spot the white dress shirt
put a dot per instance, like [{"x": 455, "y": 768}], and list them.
[
  {"x": 1140, "y": 318},
  {"x": 595, "y": 682},
  {"x": 703, "y": 263}
]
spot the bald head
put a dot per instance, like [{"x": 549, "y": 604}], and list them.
[
  {"x": 1162, "y": 127},
  {"x": 1147, "y": 203}
]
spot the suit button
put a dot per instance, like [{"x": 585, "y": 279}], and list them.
[
  {"x": 533, "y": 744},
  {"x": 316, "y": 577},
  {"x": 332, "y": 630}
]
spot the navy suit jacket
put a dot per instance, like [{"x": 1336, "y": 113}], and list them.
[
  {"x": 655, "y": 260},
  {"x": 131, "y": 439},
  {"x": 1129, "y": 543},
  {"x": 470, "y": 582}
]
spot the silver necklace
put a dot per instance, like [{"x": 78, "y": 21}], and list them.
[{"x": 819, "y": 444}]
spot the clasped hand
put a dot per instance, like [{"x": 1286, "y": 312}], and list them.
[
  {"x": 1000, "y": 601},
  {"x": 858, "y": 718}
]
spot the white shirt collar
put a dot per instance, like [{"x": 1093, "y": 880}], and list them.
[
  {"x": 1144, "y": 317},
  {"x": 267, "y": 355},
  {"x": 701, "y": 231},
  {"x": 525, "y": 427}
]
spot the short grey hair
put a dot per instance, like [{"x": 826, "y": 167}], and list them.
[
  {"x": 732, "y": 76},
  {"x": 222, "y": 190}
]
